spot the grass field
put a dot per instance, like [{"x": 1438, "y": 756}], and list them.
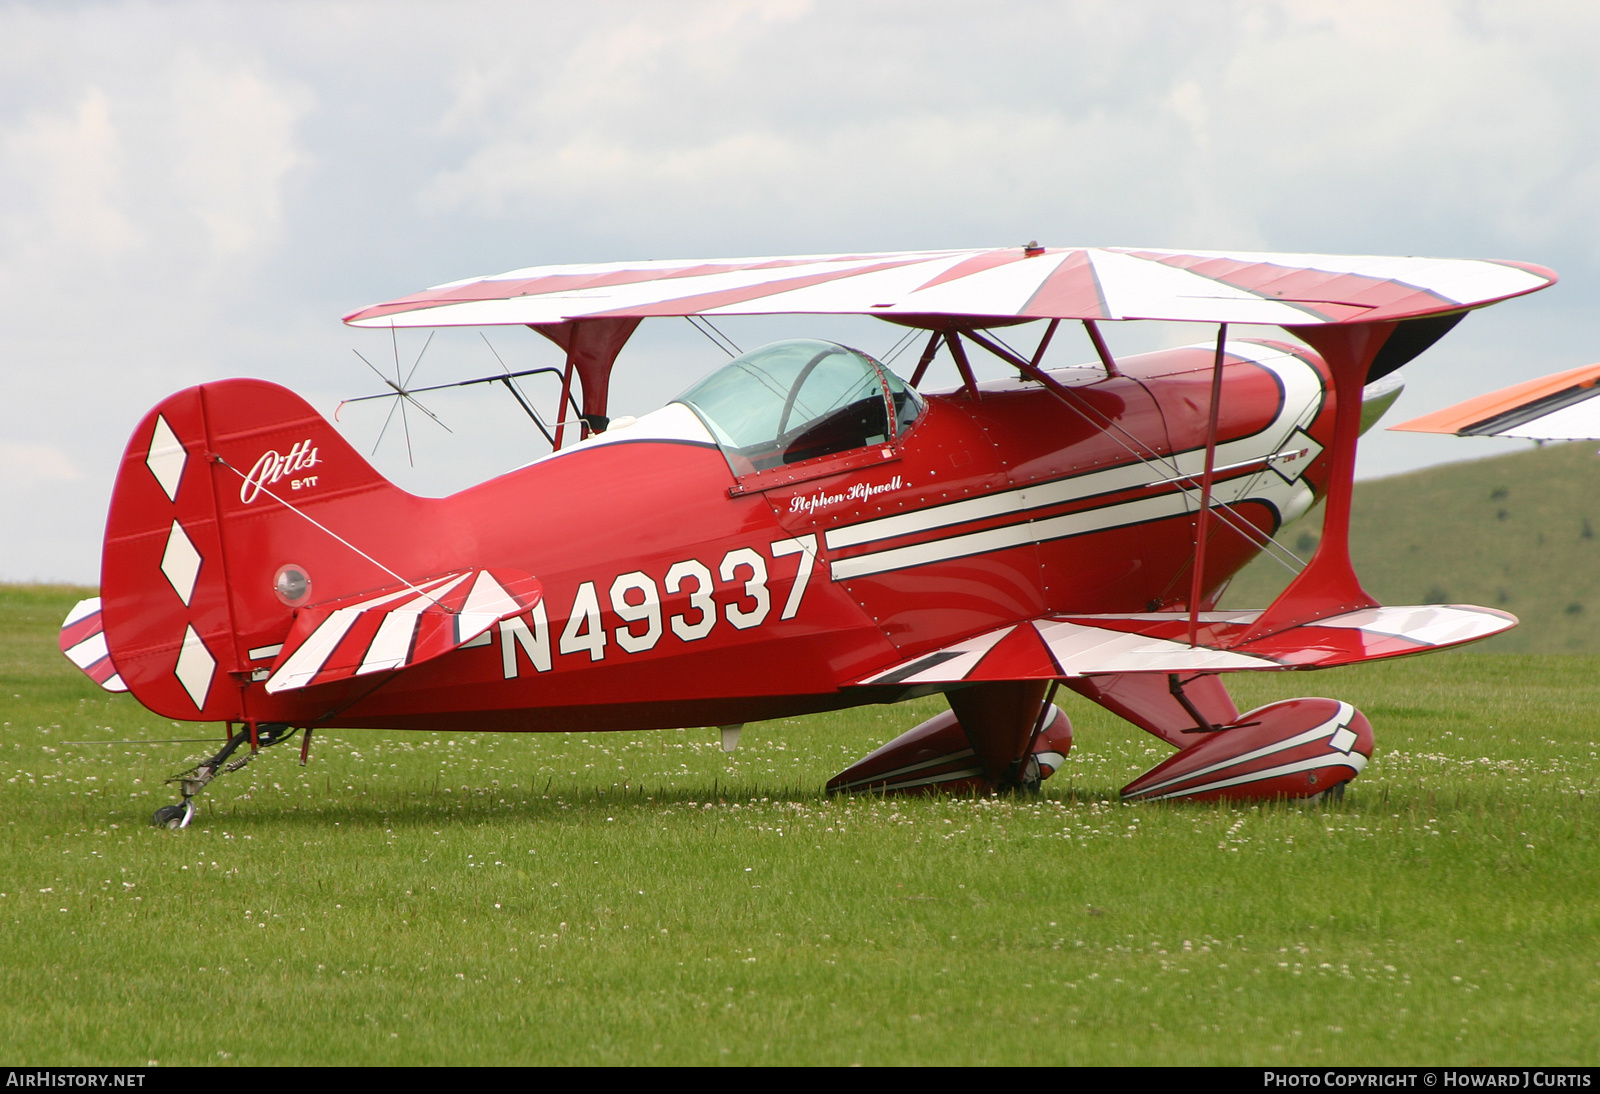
[{"x": 644, "y": 898}]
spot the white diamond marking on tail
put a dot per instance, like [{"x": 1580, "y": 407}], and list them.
[
  {"x": 166, "y": 458},
  {"x": 181, "y": 563},
  {"x": 195, "y": 668}
]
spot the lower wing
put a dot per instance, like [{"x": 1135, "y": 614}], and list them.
[{"x": 1061, "y": 646}]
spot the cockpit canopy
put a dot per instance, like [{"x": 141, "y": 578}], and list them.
[{"x": 798, "y": 400}]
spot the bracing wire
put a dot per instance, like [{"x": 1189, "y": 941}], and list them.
[
  {"x": 323, "y": 527},
  {"x": 1226, "y": 513},
  {"x": 900, "y": 346},
  {"x": 722, "y": 336},
  {"x": 721, "y": 341}
]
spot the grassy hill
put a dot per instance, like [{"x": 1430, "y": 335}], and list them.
[{"x": 1516, "y": 532}]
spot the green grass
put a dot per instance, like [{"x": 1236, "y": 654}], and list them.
[
  {"x": 1515, "y": 532},
  {"x": 645, "y": 898}
]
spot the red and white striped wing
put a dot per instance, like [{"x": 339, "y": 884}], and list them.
[
  {"x": 1003, "y": 283},
  {"x": 83, "y": 640},
  {"x": 397, "y": 628},
  {"x": 1054, "y": 647}
]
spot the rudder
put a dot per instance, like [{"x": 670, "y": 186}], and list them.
[{"x": 226, "y": 491}]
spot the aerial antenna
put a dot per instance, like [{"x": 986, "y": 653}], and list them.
[
  {"x": 405, "y": 424},
  {"x": 401, "y": 390},
  {"x": 506, "y": 378}
]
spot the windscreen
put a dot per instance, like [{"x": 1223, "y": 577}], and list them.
[{"x": 797, "y": 400}]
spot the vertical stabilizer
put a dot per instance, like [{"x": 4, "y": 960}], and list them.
[{"x": 234, "y": 501}]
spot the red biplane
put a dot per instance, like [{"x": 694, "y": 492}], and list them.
[{"x": 803, "y": 530}]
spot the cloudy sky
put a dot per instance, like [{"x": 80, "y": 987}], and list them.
[{"x": 193, "y": 191}]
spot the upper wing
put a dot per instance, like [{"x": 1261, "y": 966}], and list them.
[
  {"x": 1561, "y": 407},
  {"x": 1005, "y": 283},
  {"x": 1056, "y": 646},
  {"x": 396, "y": 628}
]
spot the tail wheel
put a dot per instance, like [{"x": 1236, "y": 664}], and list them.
[{"x": 174, "y": 816}]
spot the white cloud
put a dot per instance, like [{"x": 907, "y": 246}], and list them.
[
  {"x": 237, "y": 143},
  {"x": 63, "y": 186},
  {"x": 23, "y": 466},
  {"x": 1334, "y": 122},
  {"x": 143, "y": 185},
  {"x": 192, "y": 190}
]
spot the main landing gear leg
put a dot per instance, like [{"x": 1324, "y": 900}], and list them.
[
  {"x": 197, "y": 778},
  {"x": 1001, "y": 720},
  {"x": 1013, "y": 729}
]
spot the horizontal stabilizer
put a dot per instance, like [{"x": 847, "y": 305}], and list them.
[
  {"x": 83, "y": 640},
  {"x": 395, "y": 628},
  {"x": 1058, "y": 646}
]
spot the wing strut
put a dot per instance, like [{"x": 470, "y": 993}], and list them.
[
  {"x": 1328, "y": 585},
  {"x": 592, "y": 346},
  {"x": 958, "y": 351},
  {"x": 1203, "y": 518},
  {"x": 1044, "y": 342},
  {"x": 1100, "y": 347},
  {"x": 926, "y": 360},
  {"x": 562, "y": 421}
]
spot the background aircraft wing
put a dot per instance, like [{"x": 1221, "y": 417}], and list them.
[
  {"x": 1003, "y": 284},
  {"x": 1065, "y": 646},
  {"x": 1561, "y": 407}
]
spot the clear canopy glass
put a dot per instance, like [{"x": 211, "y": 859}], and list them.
[{"x": 800, "y": 399}]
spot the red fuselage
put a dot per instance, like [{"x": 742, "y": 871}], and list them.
[
  {"x": 985, "y": 513},
  {"x": 677, "y": 592}
]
